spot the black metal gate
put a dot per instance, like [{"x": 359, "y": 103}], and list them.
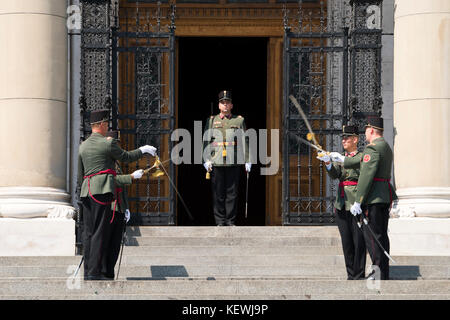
[
  {"x": 144, "y": 50},
  {"x": 332, "y": 66},
  {"x": 128, "y": 67}
]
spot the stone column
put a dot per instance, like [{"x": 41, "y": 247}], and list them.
[
  {"x": 421, "y": 127},
  {"x": 33, "y": 127},
  {"x": 422, "y": 107}
]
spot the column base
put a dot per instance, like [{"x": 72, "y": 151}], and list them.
[
  {"x": 35, "y": 202},
  {"x": 37, "y": 237},
  {"x": 422, "y": 202},
  {"x": 36, "y": 221},
  {"x": 419, "y": 236}
]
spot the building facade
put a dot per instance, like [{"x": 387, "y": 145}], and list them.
[{"x": 159, "y": 66}]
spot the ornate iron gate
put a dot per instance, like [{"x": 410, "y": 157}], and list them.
[
  {"x": 128, "y": 67},
  {"x": 332, "y": 66}
]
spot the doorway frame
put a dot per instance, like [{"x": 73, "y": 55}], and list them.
[{"x": 177, "y": 117}]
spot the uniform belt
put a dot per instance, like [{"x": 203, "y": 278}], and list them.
[
  {"x": 107, "y": 171},
  {"x": 381, "y": 179},
  {"x": 117, "y": 191},
  {"x": 219, "y": 144},
  {"x": 389, "y": 185},
  {"x": 346, "y": 183}
]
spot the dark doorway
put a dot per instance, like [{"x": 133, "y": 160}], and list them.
[{"x": 207, "y": 66}]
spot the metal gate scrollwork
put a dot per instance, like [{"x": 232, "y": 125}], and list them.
[
  {"x": 332, "y": 66},
  {"x": 127, "y": 66}
]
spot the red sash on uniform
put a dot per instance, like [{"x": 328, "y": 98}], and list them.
[
  {"x": 346, "y": 183},
  {"x": 117, "y": 190}
]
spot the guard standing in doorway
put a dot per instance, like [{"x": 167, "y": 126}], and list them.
[
  {"x": 351, "y": 235},
  {"x": 225, "y": 150}
]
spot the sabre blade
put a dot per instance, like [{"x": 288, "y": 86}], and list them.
[
  {"x": 246, "y": 196},
  {"x": 377, "y": 241},
  {"x": 79, "y": 266},
  {"x": 297, "y": 105},
  {"x": 121, "y": 248},
  {"x": 159, "y": 164},
  {"x": 307, "y": 143},
  {"x": 389, "y": 257},
  {"x": 179, "y": 195}
]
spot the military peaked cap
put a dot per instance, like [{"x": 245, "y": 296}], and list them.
[
  {"x": 225, "y": 95},
  {"x": 375, "y": 122},
  {"x": 349, "y": 131},
  {"x": 99, "y": 116}
]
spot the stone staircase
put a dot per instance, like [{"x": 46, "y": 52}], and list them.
[{"x": 226, "y": 263}]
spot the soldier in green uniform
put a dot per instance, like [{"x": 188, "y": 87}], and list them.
[
  {"x": 121, "y": 213},
  {"x": 225, "y": 150},
  {"x": 96, "y": 174},
  {"x": 351, "y": 235},
  {"x": 375, "y": 193}
]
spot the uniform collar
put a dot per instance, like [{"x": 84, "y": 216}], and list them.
[
  {"x": 223, "y": 116},
  {"x": 351, "y": 154},
  {"x": 97, "y": 134},
  {"x": 379, "y": 138}
]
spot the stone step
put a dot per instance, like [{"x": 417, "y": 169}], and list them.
[
  {"x": 237, "y": 231},
  {"x": 275, "y": 260},
  {"x": 237, "y": 260},
  {"x": 235, "y": 298},
  {"x": 230, "y": 250},
  {"x": 175, "y": 288},
  {"x": 151, "y": 272},
  {"x": 272, "y": 241}
]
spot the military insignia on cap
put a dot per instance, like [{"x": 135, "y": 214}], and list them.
[
  {"x": 349, "y": 131},
  {"x": 366, "y": 158},
  {"x": 225, "y": 95}
]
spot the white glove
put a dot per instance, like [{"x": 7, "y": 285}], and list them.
[
  {"x": 248, "y": 166},
  {"x": 324, "y": 157},
  {"x": 208, "y": 165},
  {"x": 137, "y": 174},
  {"x": 337, "y": 157},
  {"x": 148, "y": 149},
  {"x": 356, "y": 209},
  {"x": 127, "y": 215}
]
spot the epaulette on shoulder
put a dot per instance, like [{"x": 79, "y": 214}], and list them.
[
  {"x": 212, "y": 117},
  {"x": 108, "y": 138},
  {"x": 239, "y": 116}
]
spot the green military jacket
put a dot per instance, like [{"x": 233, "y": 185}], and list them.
[
  {"x": 376, "y": 163},
  {"x": 122, "y": 180},
  {"x": 339, "y": 172},
  {"x": 226, "y": 144},
  {"x": 96, "y": 154}
]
